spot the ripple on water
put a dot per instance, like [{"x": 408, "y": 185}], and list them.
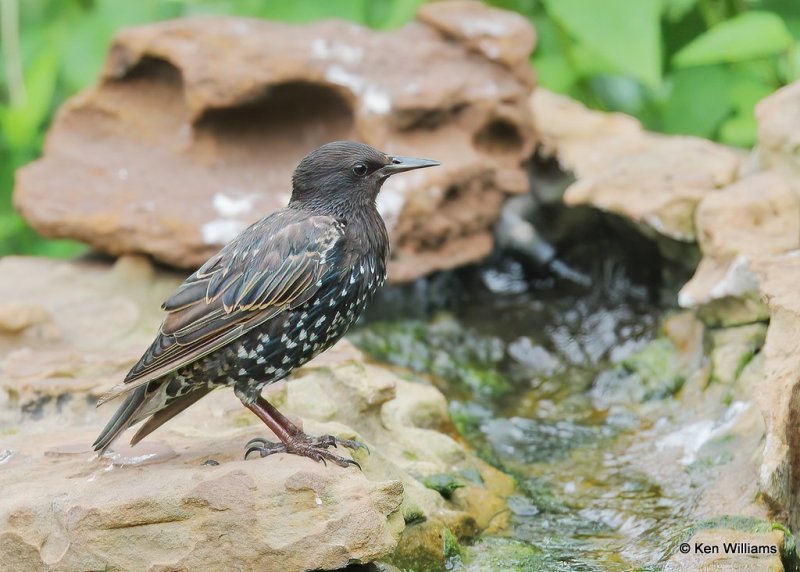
[{"x": 522, "y": 361}]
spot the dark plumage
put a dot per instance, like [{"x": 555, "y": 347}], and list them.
[{"x": 283, "y": 291}]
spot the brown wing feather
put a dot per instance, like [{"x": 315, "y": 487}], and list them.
[{"x": 277, "y": 263}]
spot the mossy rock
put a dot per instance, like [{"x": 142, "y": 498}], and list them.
[{"x": 443, "y": 349}]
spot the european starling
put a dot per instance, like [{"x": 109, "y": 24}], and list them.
[{"x": 283, "y": 291}]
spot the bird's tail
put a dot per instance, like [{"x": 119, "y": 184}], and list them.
[
  {"x": 149, "y": 400},
  {"x": 125, "y": 416}
]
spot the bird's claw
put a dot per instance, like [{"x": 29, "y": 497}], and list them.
[
  {"x": 263, "y": 448},
  {"x": 316, "y": 449},
  {"x": 330, "y": 441}
]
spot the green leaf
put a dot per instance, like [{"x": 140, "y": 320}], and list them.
[
  {"x": 739, "y": 130},
  {"x": 747, "y": 92},
  {"x": 676, "y": 10},
  {"x": 619, "y": 93},
  {"x": 747, "y": 36},
  {"x": 301, "y": 11},
  {"x": 555, "y": 72},
  {"x": 388, "y": 14},
  {"x": 625, "y": 33},
  {"x": 698, "y": 102},
  {"x": 588, "y": 62},
  {"x": 21, "y": 123}
]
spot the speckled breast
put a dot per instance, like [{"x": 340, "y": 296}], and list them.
[{"x": 268, "y": 353}]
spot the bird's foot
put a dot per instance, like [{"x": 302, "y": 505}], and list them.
[{"x": 305, "y": 446}]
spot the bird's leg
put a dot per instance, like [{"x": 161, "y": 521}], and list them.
[{"x": 293, "y": 439}]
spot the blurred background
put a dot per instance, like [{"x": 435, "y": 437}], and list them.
[{"x": 693, "y": 67}]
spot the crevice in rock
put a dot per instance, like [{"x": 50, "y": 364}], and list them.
[
  {"x": 499, "y": 137},
  {"x": 156, "y": 70},
  {"x": 279, "y": 127},
  {"x": 427, "y": 119}
]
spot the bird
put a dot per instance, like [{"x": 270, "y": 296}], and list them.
[{"x": 280, "y": 293}]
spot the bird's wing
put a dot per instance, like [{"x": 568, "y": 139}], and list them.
[{"x": 278, "y": 263}]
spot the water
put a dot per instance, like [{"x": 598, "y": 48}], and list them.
[{"x": 555, "y": 383}]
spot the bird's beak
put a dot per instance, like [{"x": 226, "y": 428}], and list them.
[{"x": 400, "y": 164}]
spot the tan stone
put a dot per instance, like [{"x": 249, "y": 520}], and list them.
[
  {"x": 499, "y": 35},
  {"x": 156, "y": 506},
  {"x": 583, "y": 141},
  {"x": 195, "y": 126},
  {"x": 778, "y": 119},
  {"x": 755, "y": 216},
  {"x": 68, "y": 512},
  {"x": 660, "y": 186},
  {"x": 655, "y": 181},
  {"x": 758, "y": 214},
  {"x": 777, "y": 394},
  {"x": 732, "y": 349}
]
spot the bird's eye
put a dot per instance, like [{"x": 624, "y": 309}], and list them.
[{"x": 360, "y": 169}]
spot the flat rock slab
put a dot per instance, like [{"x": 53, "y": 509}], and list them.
[
  {"x": 195, "y": 126},
  {"x": 184, "y": 499},
  {"x": 61, "y": 509}
]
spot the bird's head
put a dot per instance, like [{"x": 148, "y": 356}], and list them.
[{"x": 344, "y": 175}]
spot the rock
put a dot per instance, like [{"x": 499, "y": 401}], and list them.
[
  {"x": 778, "y": 119},
  {"x": 757, "y": 215},
  {"x": 778, "y": 392},
  {"x": 707, "y": 552},
  {"x": 732, "y": 350},
  {"x": 159, "y": 505},
  {"x": 745, "y": 218},
  {"x": 724, "y": 293},
  {"x": 660, "y": 186},
  {"x": 181, "y": 144},
  {"x": 583, "y": 141},
  {"x": 92, "y": 324},
  {"x": 15, "y": 318},
  {"x": 653, "y": 180},
  {"x": 68, "y": 512},
  {"x": 499, "y": 35}
]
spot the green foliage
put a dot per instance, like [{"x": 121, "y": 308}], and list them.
[
  {"x": 682, "y": 66},
  {"x": 746, "y": 37},
  {"x": 693, "y": 67},
  {"x": 623, "y": 36}
]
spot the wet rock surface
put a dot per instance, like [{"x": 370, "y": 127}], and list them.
[
  {"x": 183, "y": 143},
  {"x": 169, "y": 501}
]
